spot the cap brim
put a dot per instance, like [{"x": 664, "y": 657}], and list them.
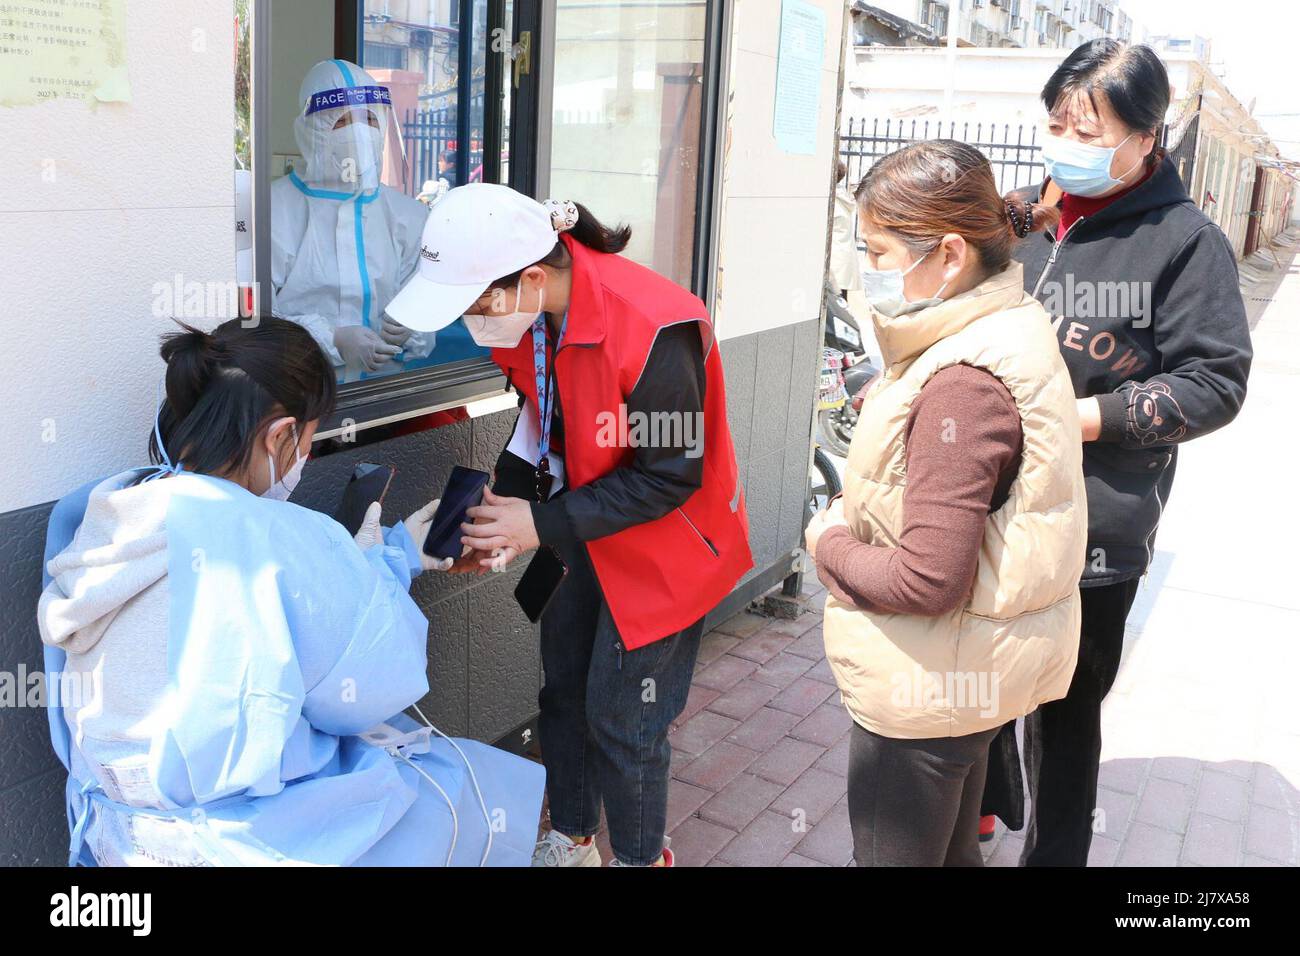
[{"x": 426, "y": 306}]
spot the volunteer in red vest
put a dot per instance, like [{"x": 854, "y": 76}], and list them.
[{"x": 621, "y": 467}]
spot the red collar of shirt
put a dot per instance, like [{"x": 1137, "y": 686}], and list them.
[{"x": 1074, "y": 208}]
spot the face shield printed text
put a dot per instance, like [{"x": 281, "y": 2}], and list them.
[{"x": 353, "y": 96}]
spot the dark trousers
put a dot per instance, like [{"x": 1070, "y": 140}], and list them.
[
  {"x": 1063, "y": 737},
  {"x": 605, "y": 715},
  {"x": 916, "y": 802}
]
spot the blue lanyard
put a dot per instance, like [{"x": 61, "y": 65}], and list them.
[{"x": 545, "y": 398}]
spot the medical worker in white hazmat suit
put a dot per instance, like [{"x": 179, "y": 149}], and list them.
[{"x": 342, "y": 243}]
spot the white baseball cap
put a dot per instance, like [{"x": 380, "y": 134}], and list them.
[{"x": 475, "y": 235}]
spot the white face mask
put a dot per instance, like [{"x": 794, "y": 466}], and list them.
[
  {"x": 505, "y": 331},
  {"x": 282, "y": 489},
  {"x": 356, "y": 151},
  {"x": 884, "y": 290}
]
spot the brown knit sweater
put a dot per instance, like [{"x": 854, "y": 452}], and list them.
[{"x": 963, "y": 446}]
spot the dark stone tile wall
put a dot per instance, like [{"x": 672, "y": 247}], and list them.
[
  {"x": 33, "y": 827},
  {"x": 484, "y": 668}
]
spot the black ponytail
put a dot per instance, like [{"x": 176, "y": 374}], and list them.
[
  {"x": 224, "y": 386},
  {"x": 594, "y": 234},
  {"x": 589, "y": 231}
]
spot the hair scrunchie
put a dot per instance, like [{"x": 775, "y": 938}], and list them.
[
  {"x": 564, "y": 214},
  {"x": 1022, "y": 220}
]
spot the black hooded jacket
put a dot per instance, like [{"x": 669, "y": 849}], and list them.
[{"x": 1150, "y": 319}]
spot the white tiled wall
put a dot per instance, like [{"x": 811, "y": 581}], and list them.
[
  {"x": 772, "y": 254},
  {"x": 100, "y": 203}
]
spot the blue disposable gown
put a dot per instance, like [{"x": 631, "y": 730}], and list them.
[{"x": 286, "y": 641}]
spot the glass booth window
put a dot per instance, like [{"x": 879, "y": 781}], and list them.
[
  {"x": 626, "y": 120},
  {"x": 360, "y": 152},
  {"x": 418, "y": 44},
  {"x": 244, "y": 271}
]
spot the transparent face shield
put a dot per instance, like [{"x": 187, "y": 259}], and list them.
[{"x": 352, "y": 140}]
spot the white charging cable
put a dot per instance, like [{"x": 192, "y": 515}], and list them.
[
  {"x": 455, "y": 823},
  {"x": 487, "y": 817}
]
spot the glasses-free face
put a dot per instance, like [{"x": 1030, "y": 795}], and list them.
[
  {"x": 948, "y": 265},
  {"x": 885, "y": 250},
  {"x": 1092, "y": 121}
]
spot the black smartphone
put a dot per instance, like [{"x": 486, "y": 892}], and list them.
[
  {"x": 368, "y": 484},
  {"x": 464, "y": 490},
  {"x": 539, "y": 583}
]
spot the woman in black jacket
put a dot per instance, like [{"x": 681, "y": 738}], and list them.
[{"x": 1144, "y": 292}]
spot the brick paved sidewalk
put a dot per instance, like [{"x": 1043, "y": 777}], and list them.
[{"x": 761, "y": 751}]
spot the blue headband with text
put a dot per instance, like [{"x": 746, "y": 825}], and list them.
[{"x": 352, "y": 96}]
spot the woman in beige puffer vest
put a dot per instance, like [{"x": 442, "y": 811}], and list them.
[{"x": 953, "y": 556}]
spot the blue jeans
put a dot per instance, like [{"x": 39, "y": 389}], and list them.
[{"x": 605, "y": 715}]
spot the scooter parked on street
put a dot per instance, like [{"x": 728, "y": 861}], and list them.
[
  {"x": 823, "y": 478},
  {"x": 836, "y": 420}
]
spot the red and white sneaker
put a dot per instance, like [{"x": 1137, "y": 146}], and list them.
[
  {"x": 555, "y": 849},
  {"x": 667, "y": 857}
]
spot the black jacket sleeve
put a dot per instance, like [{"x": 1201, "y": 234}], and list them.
[
  {"x": 1203, "y": 338},
  {"x": 661, "y": 475}
]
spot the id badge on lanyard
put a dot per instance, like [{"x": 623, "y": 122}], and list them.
[{"x": 545, "y": 401}]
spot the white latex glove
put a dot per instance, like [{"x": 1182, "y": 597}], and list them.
[
  {"x": 417, "y": 526},
  {"x": 359, "y": 345},
  {"x": 371, "y": 532},
  {"x": 433, "y": 191},
  {"x": 394, "y": 333}
]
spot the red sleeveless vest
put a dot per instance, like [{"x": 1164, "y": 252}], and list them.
[{"x": 661, "y": 576}]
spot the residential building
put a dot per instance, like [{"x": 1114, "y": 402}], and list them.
[
  {"x": 1164, "y": 44},
  {"x": 1002, "y": 23}
]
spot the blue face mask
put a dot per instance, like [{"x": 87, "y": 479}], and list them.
[{"x": 1081, "y": 169}]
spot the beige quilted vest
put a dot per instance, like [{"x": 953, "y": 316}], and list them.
[{"x": 1014, "y": 643}]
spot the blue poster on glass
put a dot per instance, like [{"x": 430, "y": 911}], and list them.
[{"x": 798, "y": 76}]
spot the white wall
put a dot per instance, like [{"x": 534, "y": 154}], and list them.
[
  {"x": 998, "y": 85},
  {"x": 100, "y": 203},
  {"x": 908, "y": 82},
  {"x": 772, "y": 255},
  {"x": 302, "y": 34}
]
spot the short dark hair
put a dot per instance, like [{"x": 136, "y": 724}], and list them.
[
  {"x": 1132, "y": 79},
  {"x": 223, "y": 386}
]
